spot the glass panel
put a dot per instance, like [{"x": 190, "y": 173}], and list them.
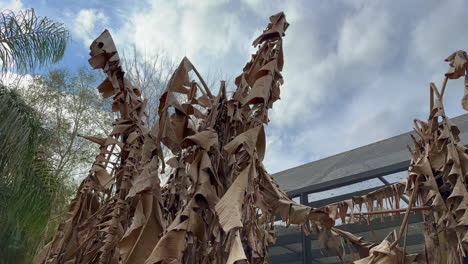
[{"x": 297, "y": 199}]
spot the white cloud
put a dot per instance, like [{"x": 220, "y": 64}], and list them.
[
  {"x": 255, "y": 5},
  {"x": 87, "y": 22},
  {"x": 440, "y": 32},
  {"x": 362, "y": 77},
  {"x": 276, "y": 144},
  {"x": 12, "y": 5},
  {"x": 15, "y": 81},
  {"x": 356, "y": 71},
  {"x": 366, "y": 37},
  {"x": 322, "y": 50},
  {"x": 200, "y": 30}
]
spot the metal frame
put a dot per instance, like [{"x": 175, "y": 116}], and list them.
[
  {"x": 308, "y": 253},
  {"x": 351, "y": 179}
]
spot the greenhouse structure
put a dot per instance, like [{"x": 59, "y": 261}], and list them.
[{"x": 340, "y": 177}]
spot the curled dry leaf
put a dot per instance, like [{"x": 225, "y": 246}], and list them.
[
  {"x": 251, "y": 140},
  {"x": 237, "y": 252},
  {"x": 458, "y": 64},
  {"x": 205, "y": 139},
  {"x": 229, "y": 208}
]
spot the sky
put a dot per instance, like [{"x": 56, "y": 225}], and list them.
[{"x": 356, "y": 71}]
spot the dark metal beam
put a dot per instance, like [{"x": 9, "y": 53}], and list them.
[
  {"x": 317, "y": 204},
  {"x": 376, "y": 225},
  {"x": 414, "y": 239},
  {"x": 286, "y": 258},
  {"x": 290, "y": 249},
  {"x": 382, "y": 179},
  {"x": 320, "y": 203},
  {"x": 290, "y": 238},
  {"x": 355, "y": 178}
]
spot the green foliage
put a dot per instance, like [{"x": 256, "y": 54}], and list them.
[
  {"x": 69, "y": 105},
  {"x": 28, "y": 188},
  {"x": 33, "y": 193},
  {"x": 28, "y": 41},
  {"x": 42, "y": 155}
]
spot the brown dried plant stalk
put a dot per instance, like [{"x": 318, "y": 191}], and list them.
[{"x": 219, "y": 204}]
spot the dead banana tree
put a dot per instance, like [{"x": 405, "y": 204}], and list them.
[{"x": 219, "y": 204}]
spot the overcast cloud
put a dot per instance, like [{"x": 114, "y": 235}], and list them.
[{"x": 356, "y": 71}]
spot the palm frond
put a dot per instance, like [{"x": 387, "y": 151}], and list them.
[
  {"x": 28, "y": 41},
  {"x": 28, "y": 188},
  {"x": 21, "y": 133}
]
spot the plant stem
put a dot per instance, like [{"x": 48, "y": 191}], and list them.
[{"x": 443, "y": 87}]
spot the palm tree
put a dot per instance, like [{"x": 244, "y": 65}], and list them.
[
  {"x": 28, "y": 41},
  {"x": 28, "y": 189}
]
